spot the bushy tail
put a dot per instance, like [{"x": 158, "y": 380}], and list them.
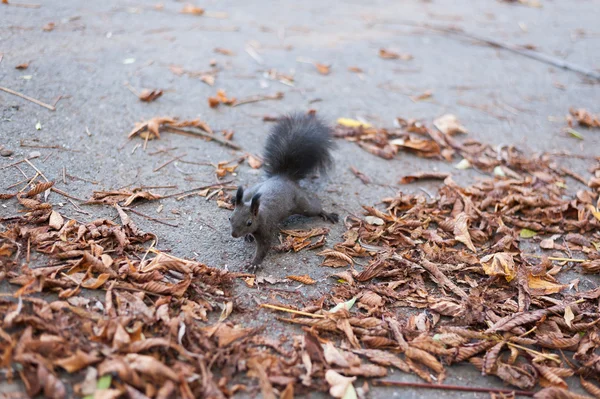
[{"x": 298, "y": 145}]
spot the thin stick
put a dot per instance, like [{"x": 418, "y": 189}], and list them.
[
  {"x": 131, "y": 89},
  {"x": 387, "y": 383},
  {"x": 152, "y": 187},
  {"x": 149, "y": 217},
  {"x": 33, "y": 100},
  {"x": 557, "y": 259},
  {"x": 18, "y": 162},
  {"x": 36, "y": 169},
  {"x": 198, "y": 188},
  {"x": 17, "y": 183},
  {"x": 77, "y": 208},
  {"x": 58, "y": 191},
  {"x": 316, "y": 316},
  {"x": 188, "y": 132},
  {"x": 23, "y": 5},
  {"x": 168, "y": 162},
  {"x": 512, "y": 48},
  {"x": 254, "y": 99}
]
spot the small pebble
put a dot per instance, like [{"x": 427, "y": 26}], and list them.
[{"x": 6, "y": 152}]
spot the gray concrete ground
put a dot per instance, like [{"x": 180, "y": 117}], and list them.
[{"x": 96, "y": 47}]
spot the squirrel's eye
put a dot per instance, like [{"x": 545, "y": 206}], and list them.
[{"x": 249, "y": 223}]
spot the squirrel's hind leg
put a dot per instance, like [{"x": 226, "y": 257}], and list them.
[{"x": 311, "y": 206}]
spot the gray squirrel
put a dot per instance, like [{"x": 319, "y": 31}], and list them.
[{"x": 297, "y": 146}]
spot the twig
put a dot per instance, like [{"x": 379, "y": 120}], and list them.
[
  {"x": 33, "y": 100},
  {"x": 198, "y": 188},
  {"x": 557, "y": 259},
  {"x": 57, "y": 191},
  {"x": 18, "y": 162},
  {"x": 254, "y": 99},
  {"x": 387, "y": 383},
  {"x": 189, "y": 132},
  {"x": 77, "y": 208},
  {"x": 149, "y": 217},
  {"x": 23, "y": 5},
  {"x": 153, "y": 187},
  {"x": 168, "y": 162},
  {"x": 317, "y": 316},
  {"x": 36, "y": 169},
  {"x": 131, "y": 89},
  {"x": 515, "y": 49}
]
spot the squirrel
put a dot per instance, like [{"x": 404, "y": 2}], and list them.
[{"x": 298, "y": 145}]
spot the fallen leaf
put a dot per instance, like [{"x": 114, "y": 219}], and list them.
[
  {"x": 24, "y": 65},
  {"x": 585, "y": 118},
  {"x": 77, "y": 361},
  {"x": 575, "y": 133},
  {"x": 49, "y": 27},
  {"x": 322, "y": 68},
  {"x": 340, "y": 386},
  {"x": 191, "y": 9},
  {"x": 390, "y": 55},
  {"x": 56, "y": 221},
  {"x": 223, "y": 51},
  {"x": 569, "y": 316},
  {"x": 423, "y": 176},
  {"x": 304, "y": 279},
  {"x": 449, "y": 124},
  {"x": 150, "y": 95},
  {"x": 352, "y": 123},
  {"x": 526, "y": 233},
  {"x": 344, "y": 305},
  {"x": 355, "y": 69},
  {"x": 461, "y": 231},
  {"x": 423, "y": 96},
  {"x": 254, "y": 162},
  {"x": 499, "y": 264}
]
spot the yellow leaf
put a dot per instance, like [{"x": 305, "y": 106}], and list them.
[
  {"x": 352, "y": 123},
  {"x": 499, "y": 264},
  {"x": 594, "y": 211},
  {"x": 543, "y": 287}
]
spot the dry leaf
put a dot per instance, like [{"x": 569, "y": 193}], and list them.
[
  {"x": 499, "y": 264},
  {"x": 254, "y": 162},
  {"x": 150, "y": 95},
  {"x": 461, "y": 231},
  {"x": 449, "y": 124},
  {"x": 390, "y": 55},
  {"x": 340, "y": 386},
  {"x": 304, "y": 279},
  {"x": 191, "y": 9},
  {"x": 322, "y": 68},
  {"x": 424, "y": 176},
  {"x": 56, "y": 221},
  {"x": 25, "y": 65},
  {"x": 223, "y": 51}
]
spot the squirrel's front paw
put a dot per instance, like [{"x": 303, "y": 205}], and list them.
[
  {"x": 252, "y": 268},
  {"x": 330, "y": 217},
  {"x": 249, "y": 238}
]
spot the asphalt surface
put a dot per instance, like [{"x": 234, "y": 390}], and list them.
[{"x": 96, "y": 48}]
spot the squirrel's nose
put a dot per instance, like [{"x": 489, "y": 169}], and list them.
[{"x": 234, "y": 235}]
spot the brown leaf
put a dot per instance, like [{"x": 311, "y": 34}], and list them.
[
  {"x": 49, "y": 27},
  {"x": 304, "y": 279},
  {"x": 191, "y": 9},
  {"x": 461, "y": 231},
  {"x": 422, "y": 147},
  {"x": 585, "y": 118},
  {"x": 363, "y": 178},
  {"x": 322, "y": 68},
  {"x": 591, "y": 388},
  {"x": 390, "y": 55},
  {"x": 499, "y": 264},
  {"x": 24, "y": 65},
  {"x": 77, "y": 361},
  {"x": 558, "y": 393},
  {"x": 223, "y": 51},
  {"x": 384, "y": 358},
  {"x": 150, "y": 95},
  {"x": 424, "y": 176},
  {"x": 263, "y": 379},
  {"x": 151, "y": 367},
  {"x": 355, "y": 69},
  {"x": 448, "y": 124},
  {"x": 56, "y": 221},
  {"x": 254, "y": 162}
]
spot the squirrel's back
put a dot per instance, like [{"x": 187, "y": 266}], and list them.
[{"x": 298, "y": 145}]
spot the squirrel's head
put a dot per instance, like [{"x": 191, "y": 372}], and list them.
[{"x": 244, "y": 219}]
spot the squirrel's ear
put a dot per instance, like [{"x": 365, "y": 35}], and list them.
[
  {"x": 255, "y": 204},
  {"x": 239, "y": 195}
]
